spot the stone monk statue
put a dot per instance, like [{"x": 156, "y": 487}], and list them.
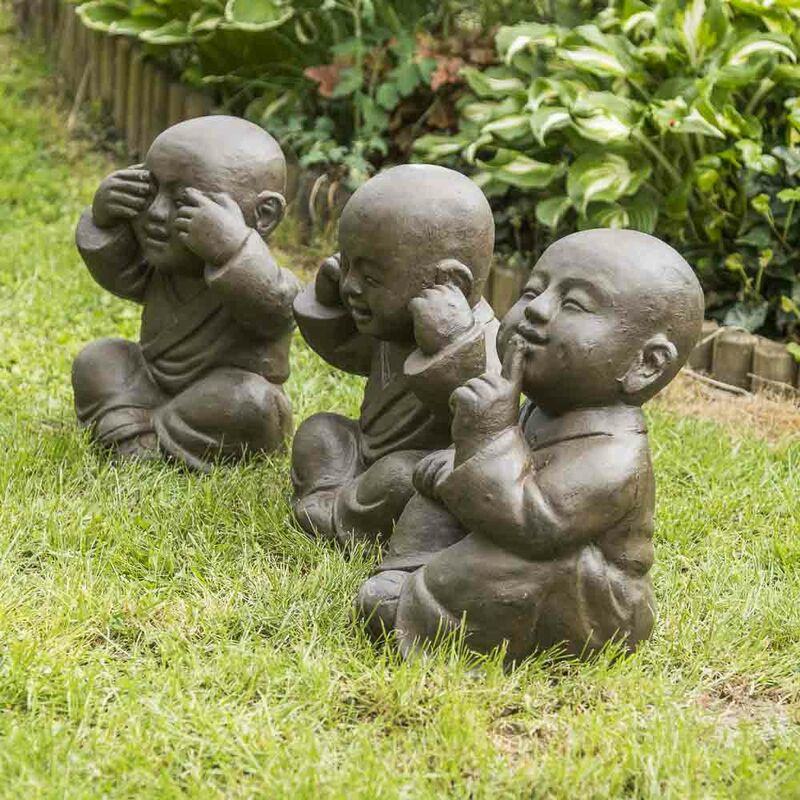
[
  {"x": 401, "y": 305},
  {"x": 535, "y": 529},
  {"x": 184, "y": 235}
]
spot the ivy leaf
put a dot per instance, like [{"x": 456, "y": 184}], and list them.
[
  {"x": 755, "y": 159},
  {"x": 387, "y": 96},
  {"x": 748, "y": 315},
  {"x": 550, "y": 212},
  {"x": 350, "y": 80},
  {"x": 407, "y": 78}
]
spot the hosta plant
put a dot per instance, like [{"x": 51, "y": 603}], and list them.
[{"x": 676, "y": 118}]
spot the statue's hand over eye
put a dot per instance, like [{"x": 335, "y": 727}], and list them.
[
  {"x": 122, "y": 196},
  {"x": 211, "y": 225}
]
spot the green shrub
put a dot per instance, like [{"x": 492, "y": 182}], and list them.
[
  {"x": 676, "y": 118},
  {"x": 347, "y": 84}
]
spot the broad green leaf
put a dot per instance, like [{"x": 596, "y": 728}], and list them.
[
  {"x": 350, "y": 80},
  {"x": 551, "y": 211},
  {"x": 593, "y": 60},
  {"x": 550, "y": 118},
  {"x": 760, "y": 203},
  {"x": 174, "y": 32},
  {"x": 435, "y": 147},
  {"x": 136, "y": 26},
  {"x": 508, "y": 128},
  {"x": 602, "y": 127},
  {"x": 702, "y": 26},
  {"x": 674, "y": 116},
  {"x": 407, "y": 77},
  {"x": 204, "y": 20},
  {"x": 387, "y": 96},
  {"x": 790, "y": 157},
  {"x": 594, "y": 177},
  {"x": 523, "y": 172},
  {"x": 642, "y": 210},
  {"x": 789, "y": 195},
  {"x": 256, "y": 15},
  {"x": 751, "y": 315},
  {"x": 607, "y": 215},
  {"x": 758, "y": 44},
  {"x": 513, "y": 39},
  {"x": 100, "y": 15},
  {"x": 755, "y": 159},
  {"x": 491, "y": 83}
]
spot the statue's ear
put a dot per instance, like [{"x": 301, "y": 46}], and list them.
[
  {"x": 452, "y": 271},
  {"x": 654, "y": 359},
  {"x": 270, "y": 208}
]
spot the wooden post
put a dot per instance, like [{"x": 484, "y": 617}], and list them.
[
  {"x": 198, "y": 104},
  {"x": 772, "y": 363},
  {"x": 145, "y": 108},
  {"x": 159, "y": 102},
  {"x": 122, "y": 60},
  {"x": 133, "y": 113},
  {"x": 107, "y": 70},
  {"x": 506, "y": 287},
  {"x": 66, "y": 46},
  {"x": 176, "y": 102},
  {"x": 700, "y": 358},
  {"x": 733, "y": 357},
  {"x": 81, "y": 53},
  {"x": 95, "y": 64}
]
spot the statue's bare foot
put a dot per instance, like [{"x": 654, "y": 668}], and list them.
[{"x": 143, "y": 447}]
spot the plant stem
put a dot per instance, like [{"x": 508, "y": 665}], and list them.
[{"x": 657, "y": 155}]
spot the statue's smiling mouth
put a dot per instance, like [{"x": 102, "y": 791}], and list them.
[
  {"x": 360, "y": 313},
  {"x": 530, "y": 334}
]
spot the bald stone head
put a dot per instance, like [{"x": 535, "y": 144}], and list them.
[
  {"x": 607, "y": 316},
  {"x": 214, "y": 154},
  {"x": 406, "y": 230}
]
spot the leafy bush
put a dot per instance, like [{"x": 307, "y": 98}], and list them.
[
  {"x": 348, "y": 84},
  {"x": 676, "y": 118}
]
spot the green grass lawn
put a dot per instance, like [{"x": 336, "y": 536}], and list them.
[{"x": 168, "y": 635}]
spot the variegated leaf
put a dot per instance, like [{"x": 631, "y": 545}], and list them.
[
  {"x": 524, "y": 172},
  {"x": 551, "y": 211},
  {"x": 545, "y": 120}
]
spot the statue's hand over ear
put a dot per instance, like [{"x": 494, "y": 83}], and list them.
[{"x": 441, "y": 314}]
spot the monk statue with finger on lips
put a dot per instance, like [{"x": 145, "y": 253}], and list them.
[
  {"x": 535, "y": 529},
  {"x": 401, "y": 305},
  {"x": 184, "y": 235}
]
